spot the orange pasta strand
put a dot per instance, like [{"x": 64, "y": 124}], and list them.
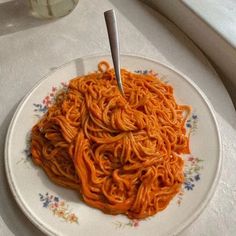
[{"x": 121, "y": 153}]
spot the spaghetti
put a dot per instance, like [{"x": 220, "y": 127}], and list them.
[{"x": 121, "y": 153}]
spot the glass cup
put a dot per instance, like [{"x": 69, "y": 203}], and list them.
[{"x": 51, "y": 9}]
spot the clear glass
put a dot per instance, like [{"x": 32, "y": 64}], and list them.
[{"x": 51, "y": 9}]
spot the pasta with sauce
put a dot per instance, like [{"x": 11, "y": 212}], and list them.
[{"x": 122, "y": 153}]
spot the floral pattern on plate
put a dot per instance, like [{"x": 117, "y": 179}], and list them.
[
  {"x": 49, "y": 99},
  {"x": 192, "y": 175},
  {"x": 131, "y": 223},
  {"x": 191, "y": 123},
  {"x": 192, "y": 172},
  {"x": 58, "y": 207}
]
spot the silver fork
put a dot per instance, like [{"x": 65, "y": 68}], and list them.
[{"x": 111, "y": 23}]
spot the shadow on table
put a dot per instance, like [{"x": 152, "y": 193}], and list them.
[
  {"x": 15, "y": 16},
  {"x": 10, "y": 213}
]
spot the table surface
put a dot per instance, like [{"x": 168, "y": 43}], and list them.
[
  {"x": 30, "y": 48},
  {"x": 211, "y": 11}
]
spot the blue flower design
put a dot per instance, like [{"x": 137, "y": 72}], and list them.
[
  {"x": 191, "y": 123},
  {"x": 56, "y": 199},
  {"x": 138, "y": 71},
  {"x": 58, "y": 207},
  {"x": 46, "y": 203},
  {"x": 45, "y": 199},
  {"x": 40, "y": 108},
  {"x": 144, "y": 72},
  {"x": 191, "y": 179},
  {"x": 189, "y": 185},
  {"x": 27, "y": 152},
  {"x": 41, "y": 197},
  {"x": 44, "y": 109},
  {"x": 197, "y": 177},
  {"x": 188, "y": 125}
]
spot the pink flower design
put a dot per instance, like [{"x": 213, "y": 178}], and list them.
[
  {"x": 135, "y": 223},
  {"x": 64, "y": 84},
  {"x": 191, "y": 159},
  {"x": 72, "y": 218},
  {"x": 59, "y": 212},
  {"x": 49, "y": 99},
  {"x": 58, "y": 207},
  {"x": 54, "y": 88},
  {"x": 51, "y": 207}
]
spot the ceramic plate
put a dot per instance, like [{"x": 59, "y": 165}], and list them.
[{"x": 59, "y": 211}]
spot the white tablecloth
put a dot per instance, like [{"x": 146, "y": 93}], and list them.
[{"x": 29, "y": 48}]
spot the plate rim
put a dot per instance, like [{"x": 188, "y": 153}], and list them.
[{"x": 205, "y": 99}]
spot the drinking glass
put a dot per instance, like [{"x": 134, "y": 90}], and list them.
[{"x": 51, "y": 9}]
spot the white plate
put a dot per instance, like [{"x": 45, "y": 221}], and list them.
[{"x": 59, "y": 211}]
